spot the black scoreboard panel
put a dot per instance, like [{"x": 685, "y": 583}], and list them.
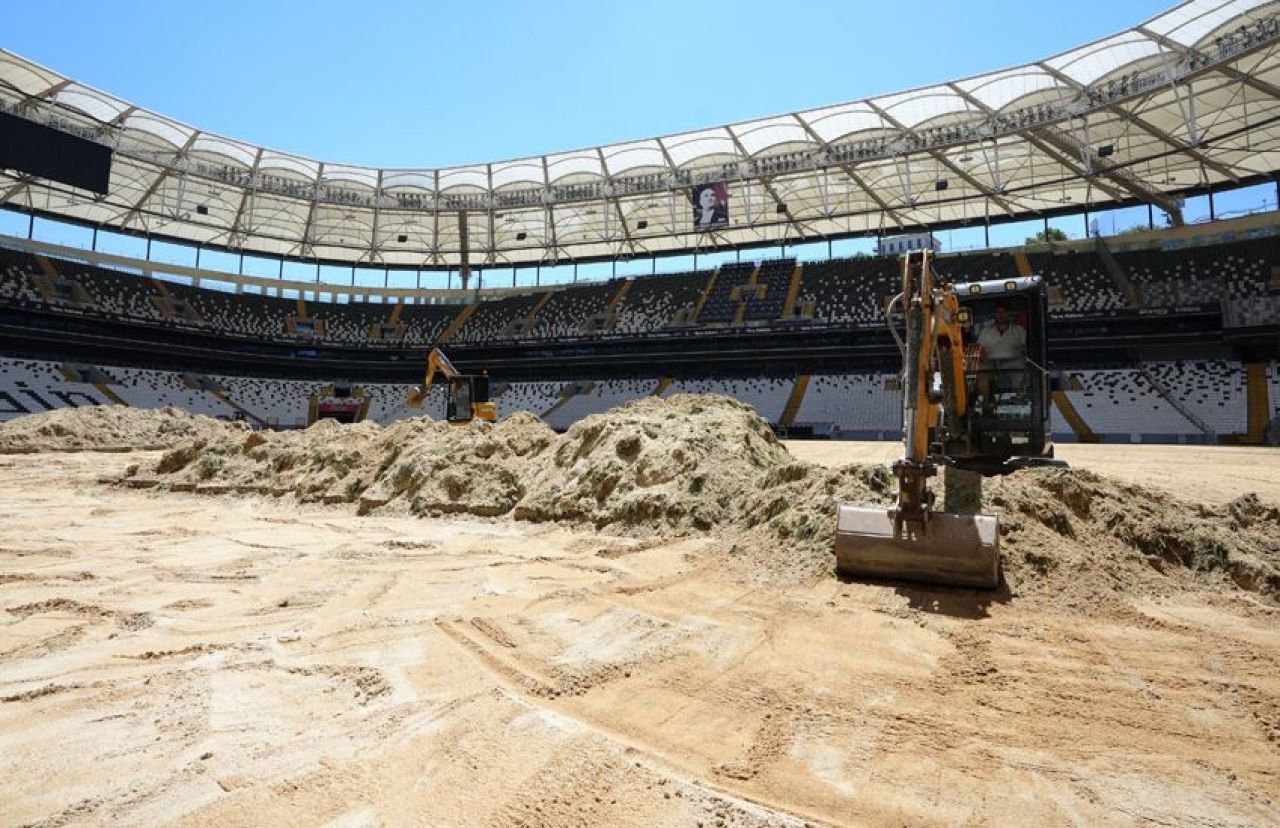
[{"x": 36, "y": 149}]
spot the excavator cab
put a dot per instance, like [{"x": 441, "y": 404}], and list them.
[
  {"x": 1003, "y": 325},
  {"x": 975, "y": 403},
  {"x": 469, "y": 399}
]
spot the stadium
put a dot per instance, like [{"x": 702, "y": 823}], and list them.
[{"x": 516, "y": 492}]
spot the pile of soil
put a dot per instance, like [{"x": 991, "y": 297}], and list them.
[
  {"x": 1075, "y": 538},
  {"x": 678, "y": 463},
  {"x": 693, "y": 464},
  {"x": 108, "y": 428}
]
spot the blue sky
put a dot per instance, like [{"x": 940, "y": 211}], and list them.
[
  {"x": 435, "y": 83},
  {"x": 439, "y": 83}
]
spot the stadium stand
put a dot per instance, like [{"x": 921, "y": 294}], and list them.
[
  {"x": 16, "y": 284},
  {"x": 354, "y": 322},
  {"x": 976, "y": 267},
  {"x": 1121, "y": 405},
  {"x": 858, "y": 406},
  {"x": 278, "y": 403},
  {"x": 143, "y": 388},
  {"x": 837, "y": 291},
  {"x": 424, "y": 324},
  {"x": 847, "y": 290},
  {"x": 390, "y": 402},
  {"x": 1155, "y": 402},
  {"x": 765, "y": 303},
  {"x": 113, "y": 293},
  {"x": 1273, "y": 383},
  {"x": 574, "y": 311},
  {"x": 1252, "y": 311},
  {"x": 600, "y": 396},
  {"x": 1204, "y": 273},
  {"x": 1080, "y": 279},
  {"x": 535, "y": 397},
  {"x": 1213, "y": 391},
  {"x": 498, "y": 319},
  {"x": 28, "y": 385},
  {"x": 246, "y": 314},
  {"x": 727, "y": 294},
  {"x": 654, "y": 302}
]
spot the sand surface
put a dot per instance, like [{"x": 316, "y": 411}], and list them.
[
  {"x": 230, "y": 660},
  {"x": 1213, "y": 473}
]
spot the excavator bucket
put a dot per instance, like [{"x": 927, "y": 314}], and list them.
[{"x": 955, "y": 549}]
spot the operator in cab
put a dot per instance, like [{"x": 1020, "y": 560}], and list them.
[
  {"x": 1002, "y": 353},
  {"x": 1003, "y": 343}
]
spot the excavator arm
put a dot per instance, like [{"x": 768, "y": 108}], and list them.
[
  {"x": 437, "y": 361},
  {"x": 933, "y": 342}
]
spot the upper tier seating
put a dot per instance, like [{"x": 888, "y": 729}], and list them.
[
  {"x": 726, "y": 296},
  {"x": 423, "y": 324},
  {"x": 1082, "y": 280},
  {"x": 570, "y": 310},
  {"x": 1203, "y": 274},
  {"x": 977, "y": 267},
  {"x": 497, "y": 319},
  {"x": 117, "y": 294},
  {"x": 245, "y": 314},
  {"x": 848, "y": 290},
  {"x": 773, "y": 282},
  {"x": 652, "y": 302},
  {"x": 352, "y": 322},
  {"x": 839, "y": 291},
  {"x": 15, "y": 277}
]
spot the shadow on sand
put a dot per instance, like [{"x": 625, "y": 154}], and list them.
[{"x": 957, "y": 602}]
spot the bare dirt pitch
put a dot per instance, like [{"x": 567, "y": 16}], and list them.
[
  {"x": 1212, "y": 473},
  {"x": 633, "y": 623}
]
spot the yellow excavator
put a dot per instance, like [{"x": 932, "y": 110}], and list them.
[
  {"x": 467, "y": 395},
  {"x": 975, "y": 399}
]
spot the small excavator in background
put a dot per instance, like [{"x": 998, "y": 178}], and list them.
[
  {"x": 976, "y": 405},
  {"x": 467, "y": 396}
]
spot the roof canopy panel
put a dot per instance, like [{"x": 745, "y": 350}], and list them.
[{"x": 1021, "y": 141}]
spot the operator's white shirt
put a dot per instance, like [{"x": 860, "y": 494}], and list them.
[{"x": 997, "y": 346}]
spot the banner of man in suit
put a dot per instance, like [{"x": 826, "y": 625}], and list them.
[{"x": 710, "y": 206}]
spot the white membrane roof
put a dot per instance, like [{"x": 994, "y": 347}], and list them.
[{"x": 1186, "y": 100}]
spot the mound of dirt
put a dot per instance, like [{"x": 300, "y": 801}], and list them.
[
  {"x": 710, "y": 465},
  {"x": 437, "y": 468},
  {"x": 678, "y": 463},
  {"x": 420, "y": 465},
  {"x": 1075, "y": 537},
  {"x": 108, "y": 428}
]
